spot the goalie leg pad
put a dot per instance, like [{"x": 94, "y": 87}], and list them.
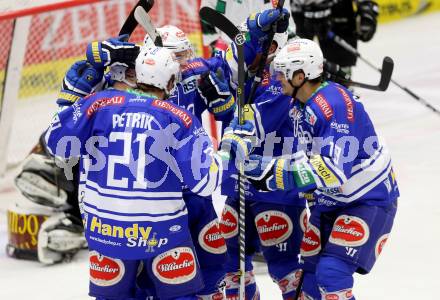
[
  {"x": 60, "y": 237},
  {"x": 42, "y": 182}
]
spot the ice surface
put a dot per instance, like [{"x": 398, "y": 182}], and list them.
[{"x": 408, "y": 267}]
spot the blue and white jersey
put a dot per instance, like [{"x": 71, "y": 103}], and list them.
[
  {"x": 136, "y": 153},
  {"x": 275, "y": 131},
  {"x": 344, "y": 155}
]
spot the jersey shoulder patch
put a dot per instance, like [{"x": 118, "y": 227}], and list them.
[
  {"x": 324, "y": 105},
  {"x": 194, "y": 67},
  {"x": 104, "y": 99},
  {"x": 184, "y": 116},
  {"x": 349, "y": 103}
]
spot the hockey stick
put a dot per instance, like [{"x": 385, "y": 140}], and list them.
[
  {"x": 131, "y": 23},
  {"x": 385, "y": 77},
  {"x": 386, "y": 71},
  {"x": 263, "y": 59},
  {"x": 145, "y": 21},
  {"x": 218, "y": 20},
  {"x": 338, "y": 40}
]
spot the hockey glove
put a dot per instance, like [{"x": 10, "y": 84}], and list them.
[
  {"x": 367, "y": 20},
  {"x": 260, "y": 24},
  {"x": 268, "y": 174},
  {"x": 214, "y": 90},
  {"x": 317, "y": 18},
  {"x": 80, "y": 80},
  {"x": 238, "y": 139},
  {"x": 333, "y": 72},
  {"x": 114, "y": 51}
]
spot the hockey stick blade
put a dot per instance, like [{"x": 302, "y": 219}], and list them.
[
  {"x": 385, "y": 77},
  {"x": 144, "y": 20},
  {"x": 131, "y": 23}
]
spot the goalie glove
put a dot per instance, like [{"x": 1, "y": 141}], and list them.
[
  {"x": 114, "y": 51},
  {"x": 81, "y": 80},
  {"x": 214, "y": 90},
  {"x": 60, "y": 237},
  {"x": 367, "y": 13}
]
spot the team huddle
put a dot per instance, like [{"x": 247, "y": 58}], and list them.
[{"x": 320, "y": 190}]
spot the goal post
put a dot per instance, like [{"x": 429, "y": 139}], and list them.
[{"x": 40, "y": 39}]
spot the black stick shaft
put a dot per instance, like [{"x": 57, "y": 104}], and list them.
[{"x": 341, "y": 42}]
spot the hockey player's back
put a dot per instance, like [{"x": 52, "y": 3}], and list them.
[{"x": 133, "y": 132}]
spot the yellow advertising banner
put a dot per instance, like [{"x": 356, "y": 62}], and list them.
[{"x": 391, "y": 10}]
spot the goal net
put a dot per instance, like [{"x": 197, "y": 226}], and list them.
[{"x": 40, "y": 39}]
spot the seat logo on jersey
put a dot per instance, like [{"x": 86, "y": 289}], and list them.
[
  {"x": 105, "y": 271},
  {"x": 380, "y": 244},
  {"x": 176, "y": 266},
  {"x": 324, "y": 106},
  {"x": 348, "y": 104},
  {"x": 349, "y": 231},
  {"x": 273, "y": 227},
  {"x": 103, "y": 102},
  {"x": 211, "y": 238},
  {"x": 181, "y": 114},
  {"x": 229, "y": 222},
  {"x": 311, "y": 242}
]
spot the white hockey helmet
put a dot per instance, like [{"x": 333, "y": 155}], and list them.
[
  {"x": 300, "y": 54},
  {"x": 155, "y": 66},
  {"x": 118, "y": 73},
  {"x": 281, "y": 40},
  {"x": 174, "y": 39}
]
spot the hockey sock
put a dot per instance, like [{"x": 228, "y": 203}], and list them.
[
  {"x": 212, "y": 277},
  {"x": 310, "y": 289},
  {"x": 335, "y": 277}
]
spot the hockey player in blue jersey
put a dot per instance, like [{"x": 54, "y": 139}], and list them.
[
  {"x": 281, "y": 242},
  {"x": 130, "y": 213},
  {"x": 209, "y": 244},
  {"x": 344, "y": 167},
  {"x": 203, "y": 88}
]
